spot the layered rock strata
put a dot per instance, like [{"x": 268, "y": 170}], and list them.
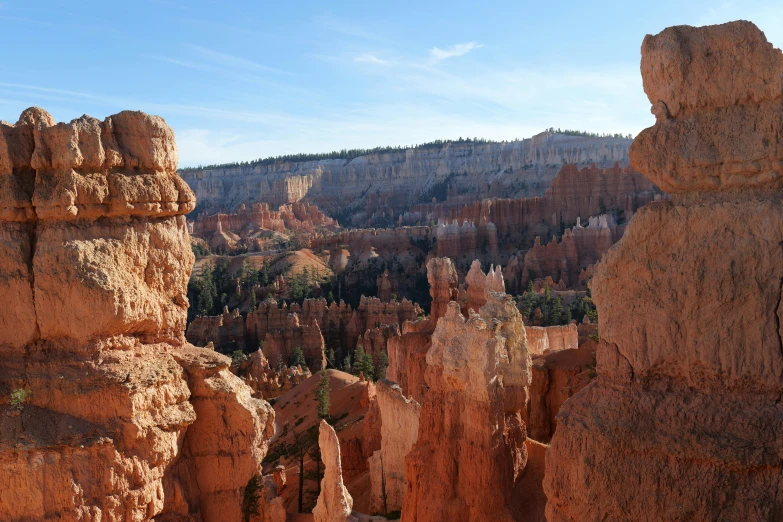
[
  {"x": 383, "y": 185},
  {"x": 685, "y": 411},
  {"x": 108, "y": 414}
]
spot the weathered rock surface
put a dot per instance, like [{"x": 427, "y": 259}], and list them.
[
  {"x": 705, "y": 85},
  {"x": 443, "y": 286},
  {"x": 480, "y": 284},
  {"x": 471, "y": 443},
  {"x": 556, "y": 376},
  {"x": 408, "y": 352},
  {"x": 685, "y": 411},
  {"x": 399, "y": 431},
  {"x": 546, "y": 339},
  {"x": 334, "y": 503},
  {"x": 122, "y": 420}
]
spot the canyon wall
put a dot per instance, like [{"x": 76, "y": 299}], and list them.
[
  {"x": 386, "y": 184},
  {"x": 685, "y": 413},
  {"x": 108, "y": 414},
  {"x": 573, "y": 193}
]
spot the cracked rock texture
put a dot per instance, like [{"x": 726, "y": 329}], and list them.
[
  {"x": 121, "y": 420},
  {"x": 685, "y": 413}
]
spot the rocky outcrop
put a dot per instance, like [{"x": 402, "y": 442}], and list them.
[
  {"x": 546, "y": 339},
  {"x": 281, "y": 344},
  {"x": 380, "y": 186},
  {"x": 556, "y": 377},
  {"x": 295, "y": 217},
  {"x": 269, "y": 504},
  {"x": 471, "y": 437},
  {"x": 685, "y": 411},
  {"x": 268, "y": 382},
  {"x": 481, "y": 284},
  {"x": 226, "y": 331},
  {"x": 565, "y": 260},
  {"x": 443, "y": 286},
  {"x": 399, "y": 431},
  {"x": 259, "y": 228},
  {"x": 408, "y": 352},
  {"x": 108, "y": 414},
  {"x": 334, "y": 502},
  {"x": 408, "y": 357}
]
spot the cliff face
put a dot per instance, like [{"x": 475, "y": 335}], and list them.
[
  {"x": 111, "y": 415},
  {"x": 685, "y": 411},
  {"x": 403, "y": 177}
]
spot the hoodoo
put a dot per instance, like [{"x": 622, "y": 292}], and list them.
[
  {"x": 470, "y": 449},
  {"x": 113, "y": 416},
  {"x": 684, "y": 419}
]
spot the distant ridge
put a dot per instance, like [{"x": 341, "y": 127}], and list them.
[{"x": 349, "y": 154}]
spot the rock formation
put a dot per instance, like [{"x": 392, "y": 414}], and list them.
[
  {"x": 573, "y": 193},
  {"x": 556, "y": 376},
  {"x": 334, "y": 502},
  {"x": 564, "y": 260},
  {"x": 443, "y": 286},
  {"x": 546, "y": 339},
  {"x": 399, "y": 431},
  {"x": 111, "y": 415},
  {"x": 280, "y": 345},
  {"x": 296, "y": 217},
  {"x": 379, "y": 186},
  {"x": 268, "y": 382},
  {"x": 408, "y": 352},
  {"x": 471, "y": 448},
  {"x": 685, "y": 411},
  {"x": 480, "y": 284}
]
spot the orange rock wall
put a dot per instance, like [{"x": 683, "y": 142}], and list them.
[{"x": 123, "y": 419}]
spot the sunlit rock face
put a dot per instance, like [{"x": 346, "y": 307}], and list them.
[
  {"x": 119, "y": 418},
  {"x": 685, "y": 411},
  {"x": 470, "y": 451}
]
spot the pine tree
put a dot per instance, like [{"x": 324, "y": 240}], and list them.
[
  {"x": 529, "y": 301},
  {"x": 208, "y": 292},
  {"x": 383, "y": 363},
  {"x": 322, "y": 395},
  {"x": 363, "y": 363},
  {"x": 347, "y": 364},
  {"x": 556, "y": 314},
  {"x": 298, "y": 358}
]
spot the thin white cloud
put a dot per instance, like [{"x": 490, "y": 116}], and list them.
[
  {"x": 370, "y": 58},
  {"x": 459, "y": 49},
  {"x": 229, "y": 60}
]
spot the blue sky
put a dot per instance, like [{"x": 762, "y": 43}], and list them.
[{"x": 242, "y": 80}]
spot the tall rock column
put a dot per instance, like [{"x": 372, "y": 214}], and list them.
[
  {"x": 399, "y": 431},
  {"x": 684, "y": 420},
  {"x": 107, "y": 414},
  {"x": 471, "y": 450}
]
